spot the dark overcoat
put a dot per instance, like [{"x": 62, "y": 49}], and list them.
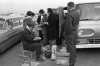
[{"x": 53, "y": 26}]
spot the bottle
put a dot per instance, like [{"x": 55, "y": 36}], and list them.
[{"x": 53, "y": 56}]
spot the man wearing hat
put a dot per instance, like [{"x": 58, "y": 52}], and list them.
[
  {"x": 69, "y": 31},
  {"x": 28, "y": 37}
]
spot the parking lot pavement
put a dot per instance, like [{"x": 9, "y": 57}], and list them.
[
  {"x": 12, "y": 58},
  {"x": 87, "y": 57}
]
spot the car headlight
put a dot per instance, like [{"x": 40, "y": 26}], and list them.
[{"x": 86, "y": 33}]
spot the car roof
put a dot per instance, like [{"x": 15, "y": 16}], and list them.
[{"x": 89, "y": 3}]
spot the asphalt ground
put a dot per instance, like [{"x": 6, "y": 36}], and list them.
[{"x": 85, "y": 57}]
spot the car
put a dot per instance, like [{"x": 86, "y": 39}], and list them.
[
  {"x": 9, "y": 39},
  {"x": 89, "y": 25}
]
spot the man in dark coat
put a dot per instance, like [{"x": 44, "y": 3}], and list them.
[
  {"x": 69, "y": 31},
  {"x": 52, "y": 29},
  {"x": 42, "y": 17},
  {"x": 28, "y": 38},
  {"x": 53, "y": 25}
]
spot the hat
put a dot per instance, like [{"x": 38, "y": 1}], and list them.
[
  {"x": 30, "y": 13},
  {"x": 41, "y": 11},
  {"x": 49, "y": 10},
  {"x": 70, "y": 4},
  {"x": 65, "y": 8}
]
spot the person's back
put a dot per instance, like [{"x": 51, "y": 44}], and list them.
[
  {"x": 75, "y": 16},
  {"x": 67, "y": 25},
  {"x": 52, "y": 30},
  {"x": 53, "y": 25},
  {"x": 69, "y": 32},
  {"x": 71, "y": 22}
]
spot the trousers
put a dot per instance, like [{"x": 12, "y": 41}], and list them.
[
  {"x": 71, "y": 41},
  {"x": 35, "y": 47}
]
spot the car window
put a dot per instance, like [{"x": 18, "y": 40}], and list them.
[{"x": 89, "y": 11}]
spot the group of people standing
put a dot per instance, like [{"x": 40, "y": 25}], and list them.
[{"x": 45, "y": 31}]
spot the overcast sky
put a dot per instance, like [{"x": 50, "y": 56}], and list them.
[{"x": 36, "y": 4}]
